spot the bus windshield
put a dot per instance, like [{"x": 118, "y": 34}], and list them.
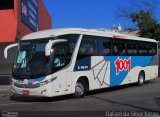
[{"x": 31, "y": 61}]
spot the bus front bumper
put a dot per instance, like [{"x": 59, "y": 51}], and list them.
[{"x": 43, "y": 91}]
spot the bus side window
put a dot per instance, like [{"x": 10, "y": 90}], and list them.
[
  {"x": 72, "y": 39},
  {"x": 143, "y": 48},
  {"x": 106, "y": 46},
  {"x": 132, "y": 48},
  {"x": 60, "y": 57},
  {"x": 88, "y": 47},
  {"x": 119, "y": 48},
  {"x": 152, "y": 49}
]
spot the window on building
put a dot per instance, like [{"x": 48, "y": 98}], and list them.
[{"x": 6, "y": 4}]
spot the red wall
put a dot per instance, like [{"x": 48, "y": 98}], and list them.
[
  {"x": 45, "y": 20},
  {"x": 11, "y": 26},
  {"x": 7, "y": 26}
]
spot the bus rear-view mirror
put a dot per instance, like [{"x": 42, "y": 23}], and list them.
[
  {"x": 7, "y": 48},
  {"x": 49, "y": 45}
]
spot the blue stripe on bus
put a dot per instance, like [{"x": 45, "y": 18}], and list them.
[
  {"x": 40, "y": 79},
  {"x": 117, "y": 79},
  {"x": 36, "y": 79},
  {"x": 83, "y": 64}
]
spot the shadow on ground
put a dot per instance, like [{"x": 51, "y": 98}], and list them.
[
  {"x": 67, "y": 97},
  {"x": 117, "y": 88},
  {"x": 92, "y": 95},
  {"x": 157, "y": 100}
]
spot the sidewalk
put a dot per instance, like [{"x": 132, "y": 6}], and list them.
[{"x": 4, "y": 80}]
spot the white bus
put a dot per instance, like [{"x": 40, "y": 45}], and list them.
[{"x": 73, "y": 61}]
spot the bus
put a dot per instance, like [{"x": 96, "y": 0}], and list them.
[{"x": 74, "y": 61}]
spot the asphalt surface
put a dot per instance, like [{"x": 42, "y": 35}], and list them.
[
  {"x": 4, "y": 80},
  {"x": 124, "y": 98}
]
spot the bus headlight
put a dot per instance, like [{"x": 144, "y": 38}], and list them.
[{"x": 47, "y": 81}]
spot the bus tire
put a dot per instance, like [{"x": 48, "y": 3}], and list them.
[
  {"x": 80, "y": 88},
  {"x": 141, "y": 79}
]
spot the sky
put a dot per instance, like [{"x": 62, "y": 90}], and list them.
[{"x": 89, "y": 13}]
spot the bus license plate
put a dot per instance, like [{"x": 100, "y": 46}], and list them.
[{"x": 26, "y": 92}]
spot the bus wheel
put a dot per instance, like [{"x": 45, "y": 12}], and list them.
[
  {"x": 80, "y": 88},
  {"x": 141, "y": 79}
]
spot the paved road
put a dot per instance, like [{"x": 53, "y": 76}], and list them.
[{"x": 124, "y": 98}]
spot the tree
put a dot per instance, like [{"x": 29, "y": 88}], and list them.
[
  {"x": 143, "y": 18},
  {"x": 148, "y": 26}
]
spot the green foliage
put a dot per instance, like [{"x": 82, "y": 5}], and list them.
[
  {"x": 148, "y": 26},
  {"x": 142, "y": 15}
]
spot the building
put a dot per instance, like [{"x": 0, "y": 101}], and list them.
[
  {"x": 133, "y": 33},
  {"x": 18, "y": 18}
]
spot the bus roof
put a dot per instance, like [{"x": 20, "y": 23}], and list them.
[{"x": 94, "y": 32}]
